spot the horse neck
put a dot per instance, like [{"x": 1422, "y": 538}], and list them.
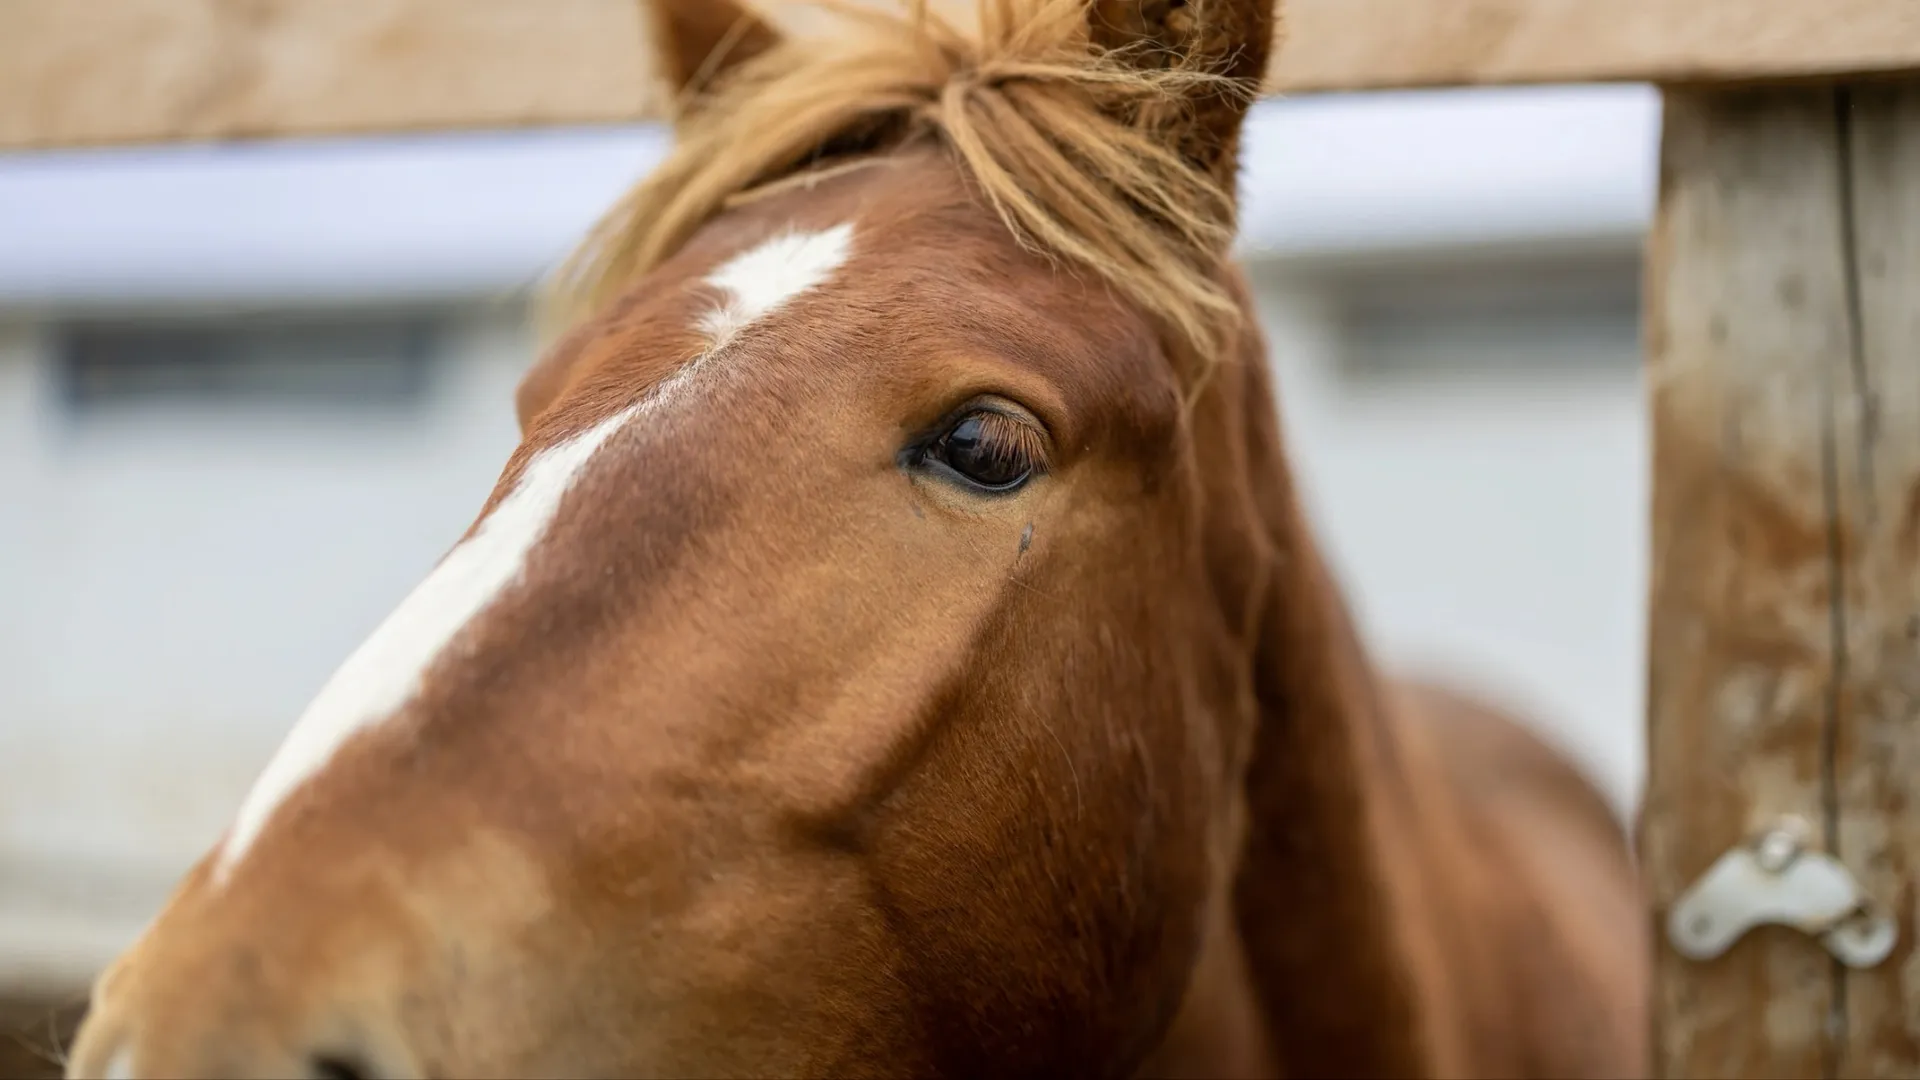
[{"x": 1312, "y": 901}]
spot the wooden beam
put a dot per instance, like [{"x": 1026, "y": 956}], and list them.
[
  {"x": 1380, "y": 44},
  {"x": 1784, "y": 376},
  {"x": 132, "y": 71},
  {"x": 1748, "y": 331},
  {"x": 78, "y": 73},
  {"x": 1877, "y": 477}
]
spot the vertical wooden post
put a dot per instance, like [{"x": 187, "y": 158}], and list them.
[
  {"x": 1783, "y": 328},
  {"x": 1877, "y": 470}
]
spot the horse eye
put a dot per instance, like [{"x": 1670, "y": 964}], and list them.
[{"x": 987, "y": 449}]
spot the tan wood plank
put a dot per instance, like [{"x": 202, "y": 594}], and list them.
[
  {"x": 1877, "y": 468},
  {"x": 1748, "y": 332},
  {"x": 1372, "y": 44},
  {"x": 81, "y": 72}
]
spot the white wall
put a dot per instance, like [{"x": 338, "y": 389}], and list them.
[
  {"x": 456, "y": 214},
  {"x": 1490, "y": 526},
  {"x": 173, "y": 591}
]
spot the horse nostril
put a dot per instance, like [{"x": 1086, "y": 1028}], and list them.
[{"x": 337, "y": 1067}]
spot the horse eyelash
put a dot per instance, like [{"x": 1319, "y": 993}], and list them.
[{"x": 1011, "y": 439}]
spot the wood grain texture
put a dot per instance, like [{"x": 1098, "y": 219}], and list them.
[
  {"x": 1877, "y": 473},
  {"x": 1749, "y": 332},
  {"x": 82, "y": 72},
  {"x": 1784, "y": 368},
  {"x": 130, "y": 71},
  {"x": 1373, "y": 44}
]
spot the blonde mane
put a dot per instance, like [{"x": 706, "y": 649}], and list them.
[{"x": 1068, "y": 143}]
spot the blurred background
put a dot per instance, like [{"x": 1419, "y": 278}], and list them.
[{"x": 249, "y": 393}]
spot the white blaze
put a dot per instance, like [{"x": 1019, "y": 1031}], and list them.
[
  {"x": 386, "y": 671},
  {"x": 757, "y": 282}
]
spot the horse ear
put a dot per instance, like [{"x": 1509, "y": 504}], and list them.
[
  {"x": 1228, "y": 38},
  {"x": 697, "y": 40}
]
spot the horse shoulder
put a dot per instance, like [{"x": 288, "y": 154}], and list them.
[{"x": 1523, "y": 886}]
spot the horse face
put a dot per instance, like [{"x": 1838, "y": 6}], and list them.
[
  {"x": 817, "y": 692},
  {"x": 849, "y": 672}
]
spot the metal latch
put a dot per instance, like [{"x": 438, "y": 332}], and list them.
[{"x": 1774, "y": 878}]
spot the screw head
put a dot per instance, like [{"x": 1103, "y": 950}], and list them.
[{"x": 1776, "y": 850}]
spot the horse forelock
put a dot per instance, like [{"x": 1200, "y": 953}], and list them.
[{"x": 1062, "y": 137}]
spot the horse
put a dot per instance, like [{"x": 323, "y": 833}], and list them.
[{"x": 897, "y": 647}]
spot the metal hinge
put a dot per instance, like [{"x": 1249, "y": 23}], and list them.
[{"x": 1775, "y": 878}]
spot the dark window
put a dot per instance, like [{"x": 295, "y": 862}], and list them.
[
  {"x": 1519, "y": 321},
  {"x": 303, "y": 364}
]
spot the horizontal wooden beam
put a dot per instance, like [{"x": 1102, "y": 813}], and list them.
[
  {"x": 1383, "y": 44},
  {"x": 131, "y": 71}
]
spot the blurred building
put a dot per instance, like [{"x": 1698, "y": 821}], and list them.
[{"x": 249, "y": 394}]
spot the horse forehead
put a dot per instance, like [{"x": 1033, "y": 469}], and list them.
[
  {"x": 938, "y": 271},
  {"x": 388, "y": 672},
  {"x": 934, "y": 270}
]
